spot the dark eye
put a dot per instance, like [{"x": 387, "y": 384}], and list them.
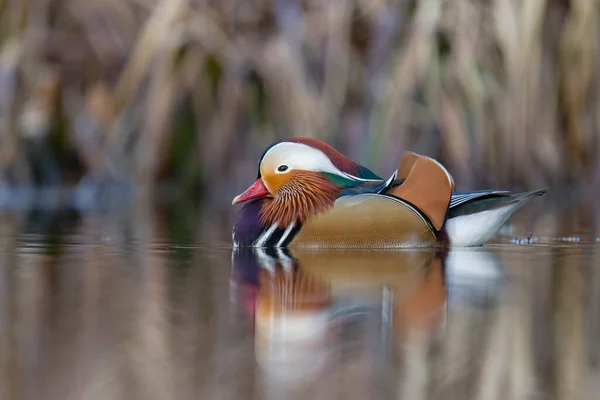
[{"x": 282, "y": 168}]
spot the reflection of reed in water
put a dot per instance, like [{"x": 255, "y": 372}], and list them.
[{"x": 8, "y": 341}]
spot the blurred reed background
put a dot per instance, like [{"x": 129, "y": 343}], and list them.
[{"x": 189, "y": 92}]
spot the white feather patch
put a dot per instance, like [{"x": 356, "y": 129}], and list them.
[{"x": 299, "y": 156}]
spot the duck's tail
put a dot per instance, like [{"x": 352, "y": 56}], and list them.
[
  {"x": 478, "y": 216},
  {"x": 465, "y": 203}
]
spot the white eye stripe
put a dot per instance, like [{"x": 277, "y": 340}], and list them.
[
  {"x": 298, "y": 156},
  {"x": 303, "y": 157}
]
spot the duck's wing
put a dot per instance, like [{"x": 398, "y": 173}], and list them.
[
  {"x": 476, "y": 202},
  {"x": 462, "y": 197},
  {"x": 407, "y": 161},
  {"x": 428, "y": 186}
]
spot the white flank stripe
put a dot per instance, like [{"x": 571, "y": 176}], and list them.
[
  {"x": 389, "y": 181},
  {"x": 285, "y": 234},
  {"x": 262, "y": 239}
]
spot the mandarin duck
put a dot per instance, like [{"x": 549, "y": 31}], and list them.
[{"x": 309, "y": 195}]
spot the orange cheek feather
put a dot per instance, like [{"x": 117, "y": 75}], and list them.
[
  {"x": 274, "y": 181},
  {"x": 306, "y": 193}
]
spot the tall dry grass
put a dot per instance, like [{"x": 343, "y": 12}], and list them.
[{"x": 502, "y": 91}]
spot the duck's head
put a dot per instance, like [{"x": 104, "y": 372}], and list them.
[{"x": 301, "y": 177}]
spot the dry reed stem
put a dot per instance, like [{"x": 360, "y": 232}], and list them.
[
  {"x": 156, "y": 31},
  {"x": 501, "y": 91},
  {"x": 570, "y": 333},
  {"x": 578, "y": 60}
]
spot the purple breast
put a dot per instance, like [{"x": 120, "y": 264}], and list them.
[{"x": 247, "y": 228}]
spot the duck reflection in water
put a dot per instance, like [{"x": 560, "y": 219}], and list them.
[
  {"x": 302, "y": 303},
  {"x": 290, "y": 313}
]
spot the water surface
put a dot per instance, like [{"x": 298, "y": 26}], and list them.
[{"x": 155, "y": 304}]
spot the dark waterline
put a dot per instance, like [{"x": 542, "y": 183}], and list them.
[{"x": 152, "y": 303}]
